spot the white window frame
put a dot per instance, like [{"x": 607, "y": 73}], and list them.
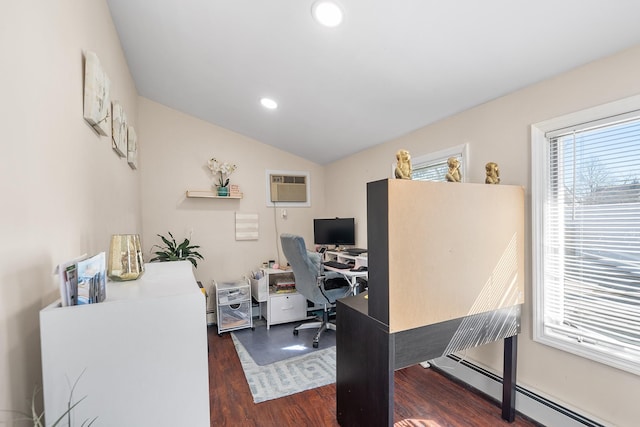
[
  {"x": 539, "y": 174},
  {"x": 461, "y": 150}
]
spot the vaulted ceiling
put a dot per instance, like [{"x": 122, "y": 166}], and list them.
[{"x": 391, "y": 67}]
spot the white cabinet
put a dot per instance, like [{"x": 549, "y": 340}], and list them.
[
  {"x": 283, "y": 308},
  {"x": 233, "y": 306},
  {"x": 278, "y": 307},
  {"x": 140, "y": 356}
]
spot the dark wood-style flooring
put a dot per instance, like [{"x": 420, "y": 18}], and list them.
[{"x": 422, "y": 394}]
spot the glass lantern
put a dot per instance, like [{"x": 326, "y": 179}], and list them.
[{"x": 125, "y": 257}]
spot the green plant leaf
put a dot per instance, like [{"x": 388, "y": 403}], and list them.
[
  {"x": 67, "y": 412},
  {"x": 90, "y": 422},
  {"x": 172, "y": 251}
]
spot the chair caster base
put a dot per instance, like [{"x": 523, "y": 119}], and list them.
[
  {"x": 315, "y": 345},
  {"x": 295, "y": 332}
]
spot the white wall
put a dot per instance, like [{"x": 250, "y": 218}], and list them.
[
  {"x": 499, "y": 131},
  {"x": 64, "y": 191},
  {"x": 174, "y": 160}
]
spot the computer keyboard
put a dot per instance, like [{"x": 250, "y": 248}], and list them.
[{"x": 336, "y": 264}]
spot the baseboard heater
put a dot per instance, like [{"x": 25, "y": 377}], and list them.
[{"x": 528, "y": 403}]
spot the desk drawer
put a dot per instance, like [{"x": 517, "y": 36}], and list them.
[
  {"x": 232, "y": 295},
  {"x": 234, "y": 316},
  {"x": 287, "y": 308}
]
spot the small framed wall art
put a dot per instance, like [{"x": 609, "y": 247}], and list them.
[
  {"x": 119, "y": 134},
  {"x": 97, "y": 106},
  {"x": 132, "y": 148},
  {"x": 247, "y": 226}
]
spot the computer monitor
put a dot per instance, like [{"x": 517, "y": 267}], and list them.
[{"x": 334, "y": 231}]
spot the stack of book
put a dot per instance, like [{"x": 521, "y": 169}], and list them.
[
  {"x": 234, "y": 190},
  {"x": 284, "y": 286}
]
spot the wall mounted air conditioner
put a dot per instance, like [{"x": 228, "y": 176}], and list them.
[{"x": 288, "y": 188}]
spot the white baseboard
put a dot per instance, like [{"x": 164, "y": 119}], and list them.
[
  {"x": 528, "y": 403},
  {"x": 211, "y": 318}
]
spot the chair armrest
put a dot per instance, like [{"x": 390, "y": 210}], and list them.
[{"x": 320, "y": 281}]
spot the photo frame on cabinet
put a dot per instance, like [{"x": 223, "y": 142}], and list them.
[
  {"x": 132, "y": 147},
  {"x": 119, "y": 130},
  {"x": 97, "y": 105}
]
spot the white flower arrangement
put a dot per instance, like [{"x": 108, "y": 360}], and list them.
[{"x": 223, "y": 169}]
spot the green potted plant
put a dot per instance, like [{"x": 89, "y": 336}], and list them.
[{"x": 172, "y": 251}]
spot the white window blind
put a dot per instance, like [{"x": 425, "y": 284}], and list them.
[
  {"x": 591, "y": 240},
  {"x": 433, "y": 167},
  {"x": 430, "y": 172}
]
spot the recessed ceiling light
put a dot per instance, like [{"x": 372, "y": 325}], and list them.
[
  {"x": 269, "y": 103},
  {"x": 327, "y": 13}
]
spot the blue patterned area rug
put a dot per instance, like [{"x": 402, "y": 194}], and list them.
[
  {"x": 277, "y": 343},
  {"x": 288, "y": 376}
]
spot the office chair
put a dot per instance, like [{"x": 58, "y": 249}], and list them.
[{"x": 311, "y": 282}]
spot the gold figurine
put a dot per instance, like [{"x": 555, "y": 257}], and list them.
[
  {"x": 493, "y": 173},
  {"x": 454, "y": 170},
  {"x": 403, "y": 167}
]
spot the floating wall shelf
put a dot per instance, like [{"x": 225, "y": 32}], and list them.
[{"x": 210, "y": 195}]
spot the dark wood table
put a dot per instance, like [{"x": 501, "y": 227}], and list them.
[{"x": 368, "y": 355}]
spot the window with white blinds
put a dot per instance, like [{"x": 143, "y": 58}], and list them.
[
  {"x": 587, "y": 238},
  {"x": 433, "y": 167},
  {"x": 435, "y": 171}
]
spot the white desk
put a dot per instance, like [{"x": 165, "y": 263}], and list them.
[
  {"x": 350, "y": 276},
  {"x": 344, "y": 257}
]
